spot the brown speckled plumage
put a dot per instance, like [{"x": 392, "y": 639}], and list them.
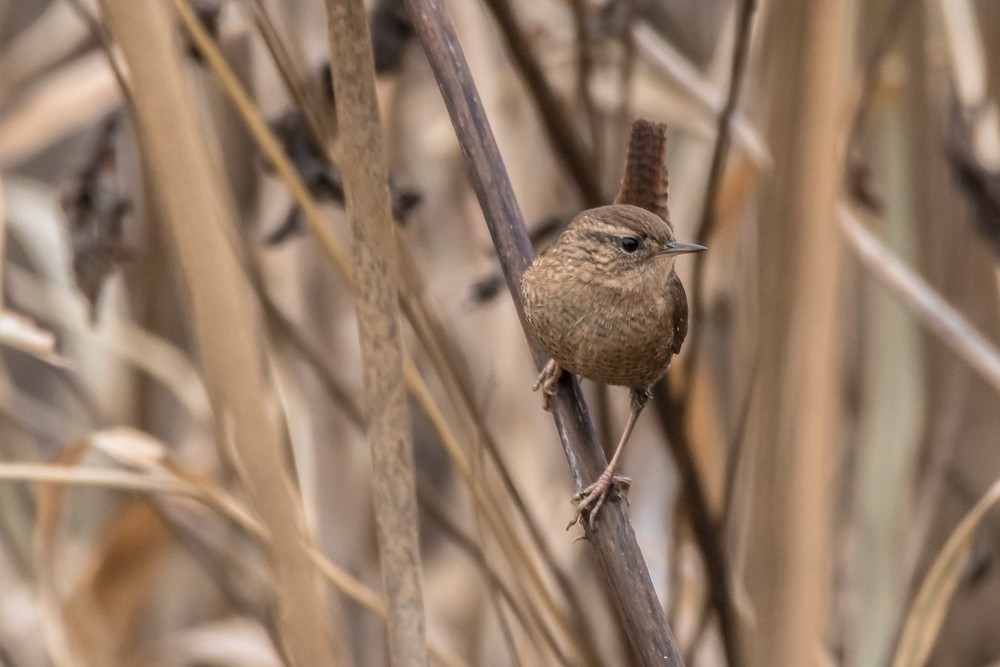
[
  {"x": 604, "y": 300},
  {"x": 601, "y": 312}
]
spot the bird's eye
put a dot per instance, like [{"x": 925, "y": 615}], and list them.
[{"x": 629, "y": 244}]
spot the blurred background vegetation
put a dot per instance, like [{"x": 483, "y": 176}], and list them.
[{"x": 835, "y": 408}]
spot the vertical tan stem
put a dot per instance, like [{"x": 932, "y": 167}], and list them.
[
  {"x": 198, "y": 216},
  {"x": 374, "y": 250},
  {"x": 797, "y": 415}
]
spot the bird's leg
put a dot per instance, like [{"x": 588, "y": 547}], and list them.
[
  {"x": 547, "y": 381},
  {"x": 597, "y": 493}
]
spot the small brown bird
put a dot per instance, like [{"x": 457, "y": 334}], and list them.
[{"x": 605, "y": 303}]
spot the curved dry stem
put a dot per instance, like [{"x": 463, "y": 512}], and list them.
[{"x": 929, "y": 307}]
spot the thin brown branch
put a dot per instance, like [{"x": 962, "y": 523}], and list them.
[
  {"x": 723, "y": 139},
  {"x": 723, "y": 136},
  {"x": 614, "y": 543},
  {"x": 584, "y": 70}
]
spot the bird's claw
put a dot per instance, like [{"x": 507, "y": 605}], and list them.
[
  {"x": 596, "y": 494},
  {"x": 546, "y": 381}
]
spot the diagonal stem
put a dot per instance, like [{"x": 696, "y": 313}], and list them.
[{"x": 615, "y": 545}]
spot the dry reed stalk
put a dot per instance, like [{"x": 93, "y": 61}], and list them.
[
  {"x": 199, "y": 220},
  {"x": 614, "y": 544},
  {"x": 796, "y": 418},
  {"x": 374, "y": 251}
]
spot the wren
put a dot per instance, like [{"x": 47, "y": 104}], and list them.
[{"x": 605, "y": 303}]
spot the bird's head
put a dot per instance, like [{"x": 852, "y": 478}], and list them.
[{"x": 622, "y": 240}]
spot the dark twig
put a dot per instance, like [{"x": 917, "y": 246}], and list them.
[
  {"x": 980, "y": 185},
  {"x": 614, "y": 542},
  {"x": 723, "y": 137},
  {"x": 670, "y": 412},
  {"x": 584, "y": 70},
  {"x": 627, "y": 12},
  {"x": 559, "y": 124},
  {"x": 707, "y": 222}
]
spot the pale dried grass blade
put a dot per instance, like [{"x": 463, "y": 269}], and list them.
[
  {"x": 98, "y": 477},
  {"x": 69, "y": 99},
  {"x": 21, "y": 333},
  {"x": 52, "y": 36},
  {"x": 152, "y": 354},
  {"x": 927, "y": 614},
  {"x": 800, "y": 281}
]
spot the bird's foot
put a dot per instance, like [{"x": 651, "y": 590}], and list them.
[
  {"x": 596, "y": 494},
  {"x": 546, "y": 381}
]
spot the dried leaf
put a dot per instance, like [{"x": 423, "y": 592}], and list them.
[
  {"x": 95, "y": 211},
  {"x": 130, "y": 447},
  {"x": 235, "y": 641},
  {"x": 929, "y": 609}
]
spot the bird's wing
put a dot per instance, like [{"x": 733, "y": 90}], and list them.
[{"x": 680, "y": 314}]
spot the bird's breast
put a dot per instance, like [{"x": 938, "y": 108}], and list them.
[{"x": 607, "y": 332}]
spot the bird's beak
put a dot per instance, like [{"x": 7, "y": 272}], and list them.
[{"x": 676, "y": 248}]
